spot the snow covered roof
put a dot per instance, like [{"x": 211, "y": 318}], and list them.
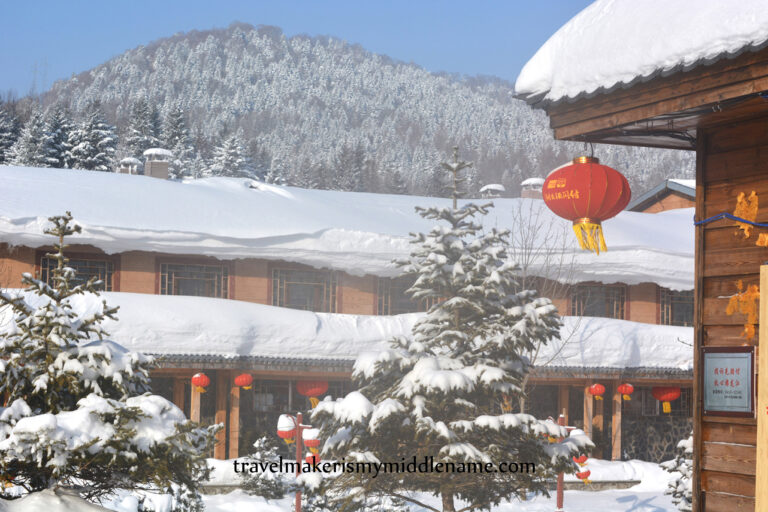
[
  {"x": 532, "y": 182},
  {"x": 684, "y": 187},
  {"x": 493, "y": 186},
  {"x": 617, "y": 43},
  {"x": 206, "y": 329},
  {"x": 160, "y": 152},
  {"x": 130, "y": 161},
  {"x": 359, "y": 233}
]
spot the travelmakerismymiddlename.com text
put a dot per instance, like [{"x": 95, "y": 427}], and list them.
[{"x": 413, "y": 465}]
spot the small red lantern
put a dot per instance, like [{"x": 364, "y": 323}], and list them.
[
  {"x": 597, "y": 391},
  {"x": 311, "y": 439},
  {"x": 200, "y": 381},
  {"x": 626, "y": 389},
  {"x": 586, "y": 193},
  {"x": 665, "y": 395},
  {"x": 244, "y": 380},
  {"x": 286, "y": 428},
  {"x": 312, "y": 389},
  {"x": 581, "y": 460},
  {"x": 313, "y": 459},
  {"x": 584, "y": 476}
]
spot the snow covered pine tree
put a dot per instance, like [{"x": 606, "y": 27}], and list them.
[
  {"x": 438, "y": 393},
  {"x": 682, "y": 466},
  {"x": 77, "y": 412}
]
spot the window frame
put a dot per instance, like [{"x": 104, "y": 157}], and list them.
[
  {"x": 619, "y": 288},
  {"x": 331, "y": 293},
  {"x": 113, "y": 260},
  {"x": 226, "y": 272},
  {"x": 666, "y": 306}
]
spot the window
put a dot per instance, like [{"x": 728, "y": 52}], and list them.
[
  {"x": 393, "y": 299},
  {"x": 196, "y": 280},
  {"x": 102, "y": 270},
  {"x": 676, "y": 307},
  {"x": 310, "y": 290},
  {"x": 598, "y": 300},
  {"x": 652, "y": 407}
]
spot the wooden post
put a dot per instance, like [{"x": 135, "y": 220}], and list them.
[
  {"x": 563, "y": 393},
  {"x": 299, "y": 443},
  {"x": 597, "y": 424},
  {"x": 178, "y": 393},
  {"x": 194, "y": 404},
  {"x": 616, "y": 423},
  {"x": 222, "y": 390},
  {"x": 562, "y": 422},
  {"x": 761, "y": 476},
  {"x": 234, "y": 422},
  {"x": 587, "y": 412}
]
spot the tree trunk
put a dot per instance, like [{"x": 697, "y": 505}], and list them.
[{"x": 448, "y": 502}]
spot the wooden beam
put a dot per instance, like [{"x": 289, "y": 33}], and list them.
[
  {"x": 563, "y": 393},
  {"x": 178, "y": 393},
  {"x": 222, "y": 390},
  {"x": 587, "y": 412},
  {"x": 761, "y": 478},
  {"x": 616, "y": 424},
  {"x": 234, "y": 422},
  {"x": 194, "y": 404},
  {"x": 597, "y": 425}
]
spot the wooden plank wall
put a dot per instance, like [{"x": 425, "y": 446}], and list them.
[{"x": 731, "y": 159}]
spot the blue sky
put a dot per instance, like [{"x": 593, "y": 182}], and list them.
[{"x": 45, "y": 41}]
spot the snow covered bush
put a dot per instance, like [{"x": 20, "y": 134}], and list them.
[
  {"x": 682, "y": 469},
  {"x": 78, "y": 412},
  {"x": 437, "y": 394}
]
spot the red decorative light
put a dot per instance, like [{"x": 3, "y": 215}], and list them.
[
  {"x": 581, "y": 460},
  {"x": 244, "y": 380},
  {"x": 597, "y": 391},
  {"x": 584, "y": 476},
  {"x": 312, "y": 389},
  {"x": 200, "y": 381},
  {"x": 311, "y": 443},
  {"x": 586, "y": 193},
  {"x": 313, "y": 458},
  {"x": 626, "y": 389},
  {"x": 666, "y": 394},
  {"x": 286, "y": 428}
]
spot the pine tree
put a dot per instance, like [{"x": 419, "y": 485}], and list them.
[
  {"x": 681, "y": 486},
  {"x": 143, "y": 129},
  {"x": 79, "y": 413},
  {"x": 397, "y": 184},
  {"x": 7, "y": 134},
  {"x": 437, "y": 394},
  {"x": 176, "y": 138},
  {"x": 56, "y": 146},
  {"x": 230, "y": 160},
  {"x": 276, "y": 173},
  {"x": 28, "y": 150},
  {"x": 93, "y": 142}
]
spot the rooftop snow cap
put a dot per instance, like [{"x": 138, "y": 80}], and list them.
[
  {"x": 492, "y": 190},
  {"x": 616, "y": 43},
  {"x": 531, "y": 188}
]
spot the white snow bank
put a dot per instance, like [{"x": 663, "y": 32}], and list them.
[
  {"x": 359, "y": 233},
  {"x": 163, "y": 324},
  {"x": 651, "y": 475},
  {"x": 614, "y": 42},
  {"x": 50, "y": 500}
]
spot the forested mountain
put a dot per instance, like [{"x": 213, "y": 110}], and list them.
[{"x": 320, "y": 112}]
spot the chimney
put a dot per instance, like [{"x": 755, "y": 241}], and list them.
[
  {"x": 157, "y": 162},
  {"x": 129, "y": 165},
  {"x": 532, "y": 188}
]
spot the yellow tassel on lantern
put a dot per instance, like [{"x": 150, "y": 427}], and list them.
[
  {"x": 200, "y": 389},
  {"x": 247, "y": 387},
  {"x": 598, "y": 397},
  {"x": 590, "y": 235},
  {"x": 289, "y": 440},
  {"x": 314, "y": 450},
  {"x": 626, "y": 397},
  {"x": 314, "y": 401},
  {"x": 666, "y": 407}
]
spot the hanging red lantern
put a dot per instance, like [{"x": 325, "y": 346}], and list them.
[
  {"x": 312, "y": 389},
  {"x": 581, "y": 460},
  {"x": 313, "y": 458},
  {"x": 666, "y": 394},
  {"x": 626, "y": 389},
  {"x": 244, "y": 380},
  {"x": 586, "y": 193},
  {"x": 311, "y": 437},
  {"x": 584, "y": 476},
  {"x": 597, "y": 391},
  {"x": 200, "y": 381},
  {"x": 286, "y": 428}
]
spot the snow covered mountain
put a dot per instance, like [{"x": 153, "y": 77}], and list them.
[{"x": 329, "y": 114}]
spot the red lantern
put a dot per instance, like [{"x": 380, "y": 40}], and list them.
[
  {"x": 314, "y": 458},
  {"x": 584, "y": 476},
  {"x": 244, "y": 380},
  {"x": 312, "y": 389},
  {"x": 200, "y": 381},
  {"x": 666, "y": 395},
  {"x": 581, "y": 460},
  {"x": 597, "y": 390},
  {"x": 586, "y": 193},
  {"x": 286, "y": 428},
  {"x": 625, "y": 389}
]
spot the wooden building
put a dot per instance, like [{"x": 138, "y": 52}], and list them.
[
  {"x": 139, "y": 258},
  {"x": 712, "y": 101}
]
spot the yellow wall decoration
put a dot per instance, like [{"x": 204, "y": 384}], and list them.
[
  {"x": 746, "y": 208},
  {"x": 745, "y": 302}
]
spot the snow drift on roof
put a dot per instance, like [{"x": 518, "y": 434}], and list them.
[
  {"x": 359, "y": 233},
  {"x": 617, "y": 42},
  {"x": 163, "y": 324}
]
